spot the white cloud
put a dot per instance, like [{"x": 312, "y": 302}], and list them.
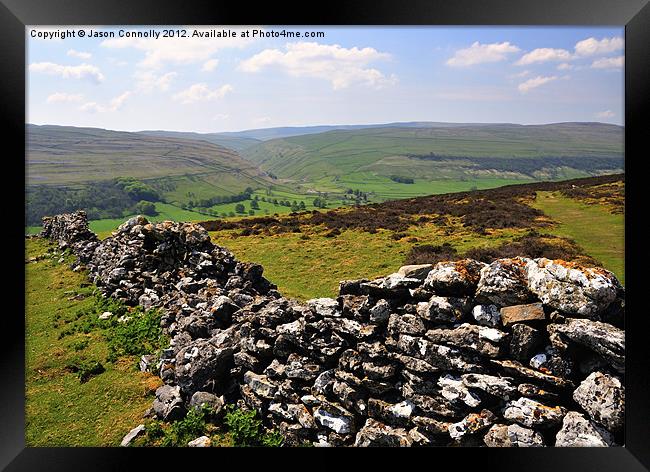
[
  {"x": 114, "y": 105},
  {"x": 544, "y": 55},
  {"x": 524, "y": 87},
  {"x": 220, "y": 116},
  {"x": 519, "y": 75},
  {"x": 565, "y": 66},
  {"x": 201, "y": 92},
  {"x": 479, "y": 53},
  {"x": 61, "y": 97},
  {"x": 605, "y": 114},
  {"x": 148, "y": 81},
  {"x": 340, "y": 66},
  {"x": 593, "y": 47},
  {"x": 608, "y": 63},
  {"x": 161, "y": 51},
  {"x": 210, "y": 65},
  {"x": 83, "y": 71},
  {"x": 79, "y": 54}
]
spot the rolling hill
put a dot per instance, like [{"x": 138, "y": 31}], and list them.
[
  {"x": 70, "y": 155},
  {"x": 69, "y": 167},
  {"x": 265, "y": 134},
  {"x": 236, "y": 143},
  {"x": 561, "y": 150}
]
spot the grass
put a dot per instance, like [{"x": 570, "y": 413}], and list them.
[
  {"x": 385, "y": 150},
  {"x": 61, "y": 410},
  {"x": 311, "y": 264},
  {"x": 599, "y": 232}
]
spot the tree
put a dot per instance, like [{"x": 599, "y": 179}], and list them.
[
  {"x": 146, "y": 208},
  {"x": 240, "y": 208},
  {"x": 255, "y": 205}
]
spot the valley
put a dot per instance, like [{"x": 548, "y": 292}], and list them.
[{"x": 276, "y": 171}]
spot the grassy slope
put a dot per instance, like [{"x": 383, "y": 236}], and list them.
[
  {"x": 68, "y": 155},
  {"x": 599, "y": 232},
  {"x": 309, "y": 268},
  {"x": 61, "y": 411},
  {"x": 379, "y": 150}
]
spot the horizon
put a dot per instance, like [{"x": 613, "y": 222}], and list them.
[
  {"x": 331, "y": 125},
  {"x": 352, "y": 75}
]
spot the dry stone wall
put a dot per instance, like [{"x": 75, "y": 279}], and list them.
[{"x": 516, "y": 353}]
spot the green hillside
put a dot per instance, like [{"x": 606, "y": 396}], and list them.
[
  {"x": 564, "y": 150},
  {"x": 236, "y": 143},
  {"x": 69, "y": 155},
  {"x": 72, "y": 168}
]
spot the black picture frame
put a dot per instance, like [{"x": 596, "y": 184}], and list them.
[{"x": 633, "y": 14}]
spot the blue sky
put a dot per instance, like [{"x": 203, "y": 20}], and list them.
[{"x": 352, "y": 75}]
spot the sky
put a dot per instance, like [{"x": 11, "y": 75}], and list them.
[{"x": 127, "y": 81}]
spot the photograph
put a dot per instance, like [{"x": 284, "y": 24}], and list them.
[{"x": 315, "y": 236}]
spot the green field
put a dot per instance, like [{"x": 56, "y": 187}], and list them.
[
  {"x": 599, "y": 232},
  {"x": 311, "y": 264},
  {"x": 469, "y": 150},
  {"x": 60, "y": 410},
  {"x": 66, "y": 155},
  {"x": 383, "y": 188}
]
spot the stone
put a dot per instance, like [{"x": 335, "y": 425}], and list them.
[
  {"x": 406, "y": 324},
  {"x": 201, "y": 365},
  {"x": 325, "y": 306},
  {"x": 515, "y": 368},
  {"x": 501, "y": 435},
  {"x": 480, "y": 339},
  {"x": 602, "y": 338},
  {"x": 471, "y": 424},
  {"x": 380, "y": 312},
  {"x": 454, "y": 390},
  {"x": 552, "y": 362},
  {"x": 293, "y": 412},
  {"x": 457, "y": 278},
  {"x": 222, "y": 309},
  {"x": 501, "y": 387},
  {"x": 324, "y": 383},
  {"x": 168, "y": 405},
  {"x": 444, "y": 309},
  {"x": 418, "y": 271},
  {"x": 487, "y": 315},
  {"x": 535, "y": 391},
  {"x": 531, "y": 413},
  {"x": 421, "y": 357},
  {"x": 394, "y": 414},
  {"x": 336, "y": 419},
  {"x": 571, "y": 288},
  {"x": 432, "y": 426},
  {"x": 602, "y": 396},
  {"x": 504, "y": 282},
  {"x": 260, "y": 385},
  {"x": 106, "y": 315},
  {"x": 376, "y": 434},
  {"x": 147, "y": 362},
  {"x": 209, "y": 400},
  {"x": 531, "y": 313},
  {"x": 131, "y": 435},
  {"x": 301, "y": 369},
  {"x": 439, "y": 356},
  {"x": 523, "y": 342},
  {"x": 202, "y": 441},
  {"x": 578, "y": 431}
]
